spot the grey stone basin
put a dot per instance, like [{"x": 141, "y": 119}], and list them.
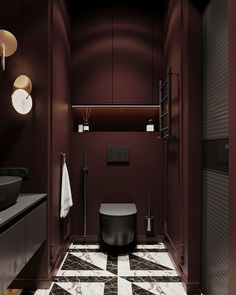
[{"x": 9, "y": 190}]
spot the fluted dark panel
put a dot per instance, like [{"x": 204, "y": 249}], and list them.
[
  {"x": 215, "y": 228},
  {"x": 215, "y": 71}
]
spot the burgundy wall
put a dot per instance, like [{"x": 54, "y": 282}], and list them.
[
  {"x": 183, "y": 226},
  {"x": 24, "y": 139},
  {"x": 232, "y": 144},
  {"x": 60, "y": 48},
  {"x": 117, "y": 57},
  {"x": 117, "y": 183},
  {"x": 21, "y": 136},
  {"x": 36, "y": 140},
  {"x": 173, "y": 59},
  {"x": 92, "y": 54},
  {"x": 192, "y": 144},
  {"x": 117, "y": 54}
]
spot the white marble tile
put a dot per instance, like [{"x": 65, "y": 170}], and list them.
[
  {"x": 84, "y": 273},
  {"x": 157, "y": 257},
  {"x": 83, "y": 288},
  {"x": 96, "y": 258},
  {"x": 149, "y": 247},
  {"x": 44, "y": 291},
  {"x": 124, "y": 269},
  {"x": 80, "y": 246},
  {"x": 163, "y": 288},
  {"x": 123, "y": 264},
  {"x": 124, "y": 287}
]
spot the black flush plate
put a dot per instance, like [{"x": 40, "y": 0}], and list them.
[{"x": 118, "y": 155}]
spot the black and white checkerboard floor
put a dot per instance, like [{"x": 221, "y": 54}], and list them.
[{"x": 86, "y": 270}]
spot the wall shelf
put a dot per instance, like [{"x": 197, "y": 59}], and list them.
[
  {"x": 115, "y": 106},
  {"x": 115, "y": 118}
]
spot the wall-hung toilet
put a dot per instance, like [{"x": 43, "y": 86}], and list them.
[{"x": 118, "y": 223}]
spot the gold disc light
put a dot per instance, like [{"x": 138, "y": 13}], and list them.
[
  {"x": 21, "y": 99},
  {"x": 8, "y": 45}
]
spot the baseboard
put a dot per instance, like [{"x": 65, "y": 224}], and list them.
[
  {"x": 150, "y": 239},
  {"x": 97, "y": 239},
  {"x": 42, "y": 283},
  {"x": 172, "y": 249},
  {"x": 192, "y": 288},
  {"x": 88, "y": 239}
]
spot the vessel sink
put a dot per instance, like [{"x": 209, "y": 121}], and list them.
[{"x": 9, "y": 190}]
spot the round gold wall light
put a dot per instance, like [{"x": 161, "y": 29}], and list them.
[
  {"x": 8, "y": 45},
  {"x": 21, "y": 98}
]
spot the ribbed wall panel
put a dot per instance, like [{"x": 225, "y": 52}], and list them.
[
  {"x": 215, "y": 71},
  {"x": 215, "y": 233},
  {"x": 215, "y": 116}
]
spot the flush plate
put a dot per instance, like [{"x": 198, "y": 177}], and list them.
[{"x": 118, "y": 155}]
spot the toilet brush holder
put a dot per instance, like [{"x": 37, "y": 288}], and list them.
[
  {"x": 149, "y": 223},
  {"x": 149, "y": 218}
]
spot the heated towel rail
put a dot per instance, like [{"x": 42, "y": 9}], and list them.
[{"x": 165, "y": 103}]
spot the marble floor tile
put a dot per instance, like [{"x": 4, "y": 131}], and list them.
[
  {"x": 77, "y": 288},
  {"x": 80, "y": 246},
  {"x": 151, "y": 246},
  {"x": 86, "y": 270},
  {"x": 161, "y": 288},
  {"x": 124, "y": 287}
]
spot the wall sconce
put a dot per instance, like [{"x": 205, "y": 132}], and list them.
[
  {"x": 21, "y": 99},
  {"x": 8, "y": 45}
]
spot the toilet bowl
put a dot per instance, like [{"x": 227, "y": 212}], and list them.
[{"x": 118, "y": 223}]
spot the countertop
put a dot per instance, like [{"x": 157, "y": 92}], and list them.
[{"x": 24, "y": 203}]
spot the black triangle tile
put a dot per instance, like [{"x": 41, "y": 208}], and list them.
[
  {"x": 112, "y": 262},
  {"x": 75, "y": 263},
  {"x": 57, "y": 290},
  {"x": 140, "y": 291},
  {"x": 139, "y": 263}
]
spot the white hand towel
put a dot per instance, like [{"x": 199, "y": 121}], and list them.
[{"x": 66, "y": 196}]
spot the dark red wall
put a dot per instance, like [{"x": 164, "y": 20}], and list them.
[
  {"x": 21, "y": 136},
  {"x": 117, "y": 57},
  {"x": 173, "y": 59},
  {"x": 117, "y": 54},
  {"x": 60, "y": 109},
  {"x": 183, "y": 225},
  {"x": 24, "y": 139},
  {"x": 129, "y": 183},
  {"x": 36, "y": 140},
  {"x": 232, "y": 145},
  {"x": 91, "y": 54}
]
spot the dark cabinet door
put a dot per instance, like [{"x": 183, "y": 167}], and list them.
[
  {"x": 36, "y": 230},
  {"x": 133, "y": 55},
  {"x": 12, "y": 253},
  {"x": 92, "y": 55}
]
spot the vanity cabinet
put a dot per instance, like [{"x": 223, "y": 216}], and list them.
[
  {"x": 35, "y": 230},
  {"x": 12, "y": 253},
  {"x": 22, "y": 231}
]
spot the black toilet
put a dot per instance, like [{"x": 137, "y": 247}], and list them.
[{"x": 118, "y": 223}]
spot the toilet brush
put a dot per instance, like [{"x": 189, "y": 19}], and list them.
[{"x": 149, "y": 218}]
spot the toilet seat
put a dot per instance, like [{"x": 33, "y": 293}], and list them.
[{"x": 118, "y": 209}]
